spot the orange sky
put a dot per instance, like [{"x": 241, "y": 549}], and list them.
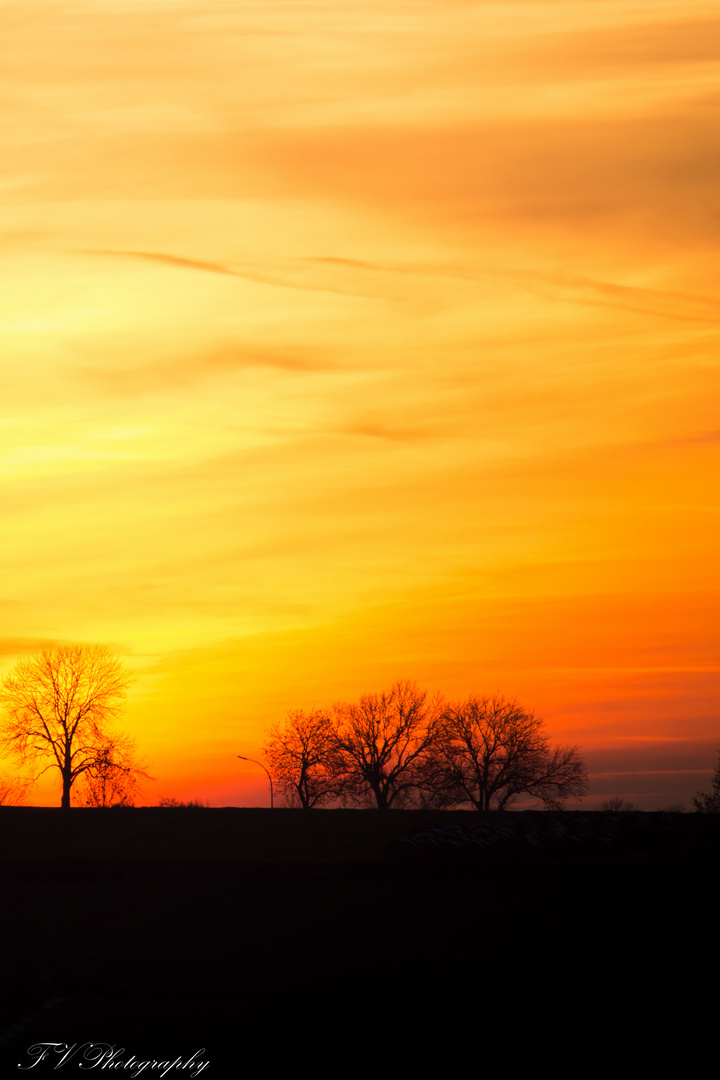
[{"x": 348, "y": 343}]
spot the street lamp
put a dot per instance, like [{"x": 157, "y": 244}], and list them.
[{"x": 262, "y": 767}]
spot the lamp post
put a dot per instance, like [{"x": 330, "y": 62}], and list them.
[{"x": 262, "y": 767}]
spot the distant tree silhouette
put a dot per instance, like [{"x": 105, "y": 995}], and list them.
[
  {"x": 169, "y": 802},
  {"x": 12, "y": 791},
  {"x": 383, "y": 744},
  {"x": 115, "y": 776},
  {"x": 708, "y": 802},
  {"x": 301, "y": 753},
  {"x": 489, "y": 751},
  {"x": 59, "y": 706},
  {"x": 616, "y": 805}
]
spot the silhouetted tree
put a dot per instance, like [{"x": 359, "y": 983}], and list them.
[
  {"x": 616, "y": 804},
  {"x": 59, "y": 705},
  {"x": 169, "y": 802},
  {"x": 12, "y": 791},
  {"x": 115, "y": 776},
  {"x": 301, "y": 753},
  {"x": 708, "y": 802},
  {"x": 383, "y": 744},
  {"x": 489, "y": 751}
]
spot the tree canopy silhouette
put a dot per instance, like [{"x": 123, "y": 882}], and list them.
[
  {"x": 489, "y": 751},
  {"x": 402, "y": 748},
  {"x": 115, "y": 776},
  {"x": 383, "y": 743},
  {"x": 60, "y": 705},
  {"x": 301, "y": 755}
]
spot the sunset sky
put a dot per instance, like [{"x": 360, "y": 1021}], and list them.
[{"x": 351, "y": 342}]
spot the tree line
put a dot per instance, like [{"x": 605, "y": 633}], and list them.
[
  {"x": 404, "y": 748},
  {"x": 399, "y": 748}
]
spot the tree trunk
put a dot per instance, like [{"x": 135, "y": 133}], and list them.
[
  {"x": 65, "y": 801},
  {"x": 381, "y": 798}
]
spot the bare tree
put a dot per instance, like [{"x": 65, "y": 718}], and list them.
[
  {"x": 12, "y": 791},
  {"x": 383, "y": 745},
  {"x": 708, "y": 802},
  {"x": 301, "y": 754},
  {"x": 489, "y": 751},
  {"x": 169, "y": 802},
  {"x": 617, "y": 805},
  {"x": 116, "y": 775},
  {"x": 59, "y": 705}
]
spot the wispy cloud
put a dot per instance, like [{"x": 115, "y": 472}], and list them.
[
  {"x": 614, "y": 51},
  {"x": 169, "y": 260},
  {"x": 183, "y": 371},
  {"x": 634, "y": 298},
  {"x": 390, "y": 432},
  {"x": 560, "y": 285},
  {"x": 285, "y": 276},
  {"x": 175, "y": 261},
  {"x": 12, "y": 647}
]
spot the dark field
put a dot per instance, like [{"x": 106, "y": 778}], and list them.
[{"x": 277, "y": 938}]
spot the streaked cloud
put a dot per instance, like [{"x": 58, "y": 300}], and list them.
[
  {"x": 184, "y": 371},
  {"x": 168, "y": 260},
  {"x": 18, "y": 647}
]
